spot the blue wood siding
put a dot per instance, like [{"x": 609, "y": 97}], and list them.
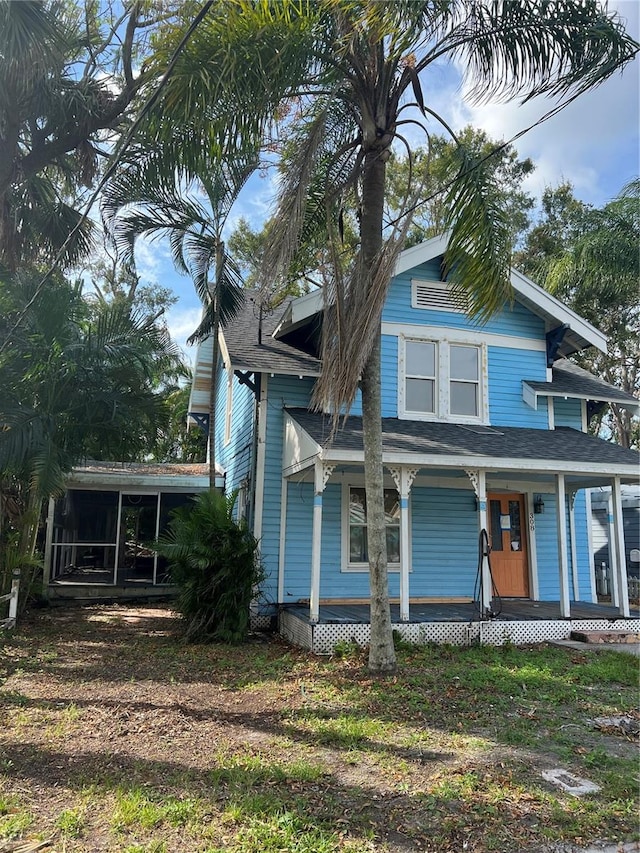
[
  {"x": 547, "y": 550},
  {"x": 567, "y": 413},
  {"x": 582, "y": 541},
  {"x": 444, "y": 547},
  {"x": 234, "y": 457},
  {"x": 445, "y": 533},
  {"x": 281, "y": 391},
  {"x": 513, "y": 320},
  {"x": 507, "y": 368}
]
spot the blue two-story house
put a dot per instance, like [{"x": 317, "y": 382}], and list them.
[{"x": 484, "y": 429}]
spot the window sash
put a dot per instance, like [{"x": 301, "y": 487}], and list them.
[
  {"x": 357, "y": 541},
  {"x": 449, "y": 387}
]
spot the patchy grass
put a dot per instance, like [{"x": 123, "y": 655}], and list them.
[{"x": 116, "y": 737}]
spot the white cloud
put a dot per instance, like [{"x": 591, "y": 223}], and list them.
[
  {"x": 181, "y": 323},
  {"x": 593, "y": 142}
]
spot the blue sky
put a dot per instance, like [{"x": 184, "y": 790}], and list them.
[{"x": 594, "y": 143}]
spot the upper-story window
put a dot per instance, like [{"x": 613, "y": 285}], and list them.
[
  {"x": 464, "y": 380},
  {"x": 441, "y": 380},
  {"x": 420, "y": 376}
]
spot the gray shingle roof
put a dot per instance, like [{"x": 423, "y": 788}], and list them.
[
  {"x": 454, "y": 440},
  {"x": 570, "y": 380},
  {"x": 275, "y": 356}
]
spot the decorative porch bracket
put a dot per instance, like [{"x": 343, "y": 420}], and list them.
[
  {"x": 202, "y": 420},
  {"x": 403, "y": 477},
  {"x": 245, "y": 379},
  {"x": 322, "y": 472}
]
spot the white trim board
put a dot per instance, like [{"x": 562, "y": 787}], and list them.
[{"x": 463, "y": 336}]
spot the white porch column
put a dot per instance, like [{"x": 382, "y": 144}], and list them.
[
  {"x": 479, "y": 481},
  {"x": 563, "y": 565},
  {"x": 403, "y": 478},
  {"x": 613, "y": 552},
  {"x": 621, "y": 560},
  {"x": 321, "y": 475},
  {"x": 48, "y": 549},
  {"x": 574, "y": 547}
]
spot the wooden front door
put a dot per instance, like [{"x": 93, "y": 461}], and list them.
[{"x": 507, "y": 536}]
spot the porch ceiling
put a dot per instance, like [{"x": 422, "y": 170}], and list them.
[{"x": 436, "y": 445}]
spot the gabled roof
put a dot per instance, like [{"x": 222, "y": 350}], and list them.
[
  {"x": 569, "y": 380},
  {"x": 579, "y": 335}
]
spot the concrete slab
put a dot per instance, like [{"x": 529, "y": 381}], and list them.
[
  {"x": 569, "y": 783},
  {"x": 626, "y": 648}
]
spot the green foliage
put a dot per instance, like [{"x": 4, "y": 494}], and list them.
[
  {"x": 67, "y": 80},
  {"x": 214, "y": 561},
  {"x": 589, "y": 258},
  {"x": 436, "y": 166}
]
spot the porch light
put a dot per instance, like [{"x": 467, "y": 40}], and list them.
[{"x": 538, "y": 505}]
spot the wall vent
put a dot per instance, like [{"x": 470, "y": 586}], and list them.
[{"x": 436, "y": 296}]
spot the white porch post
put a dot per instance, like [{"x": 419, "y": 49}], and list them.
[
  {"x": 320, "y": 476},
  {"x": 574, "y": 547},
  {"x": 48, "y": 549},
  {"x": 621, "y": 560},
  {"x": 403, "y": 478},
  {"x": 563, "y": 566},
  {"x": 613, "y": 552}
]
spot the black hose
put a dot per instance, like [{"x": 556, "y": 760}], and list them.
[{"x": 484, "y": 550}]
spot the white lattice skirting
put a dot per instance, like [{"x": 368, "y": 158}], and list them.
[{"x": 322, "y": 639}]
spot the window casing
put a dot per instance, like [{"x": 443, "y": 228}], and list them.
[
  {"x": 355, "y": 554},
  {"x": 442, "y": 380}
]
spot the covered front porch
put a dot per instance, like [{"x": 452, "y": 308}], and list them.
[
  {"x": 516, "y": 497},
  {"x": 517, "y": 621}
]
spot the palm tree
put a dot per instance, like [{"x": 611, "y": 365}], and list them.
[
  {"x": 350, "y": 72},
  {"x": 598, "y": 276},
  {"x": 153, "y": 197},
  {"x": 71, "y": 387}
]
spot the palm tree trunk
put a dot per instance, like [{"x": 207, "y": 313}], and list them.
[
  {"x": 212, "y": 399},
  {"x": 382, "y": 658}
]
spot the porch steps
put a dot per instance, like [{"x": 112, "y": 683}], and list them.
[{"x": 606, "y": 636}]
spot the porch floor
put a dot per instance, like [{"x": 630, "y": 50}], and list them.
[{"x": 513, "y": 610}]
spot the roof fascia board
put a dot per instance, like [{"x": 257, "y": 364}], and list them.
[
  {"x": 300, "y": 373},
  {"x": 542, "y": 299},
  {"x": 488, "y": 463}
]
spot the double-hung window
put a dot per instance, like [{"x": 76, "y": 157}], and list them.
[
  {"x": 420, "y": 377},
  {"x": 464, "y": 380},
  {"x": 358, "y": 555},
  {"x": 441, "y": 379}
]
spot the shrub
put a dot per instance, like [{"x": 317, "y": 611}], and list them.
[{"x": 215, "y": 564}]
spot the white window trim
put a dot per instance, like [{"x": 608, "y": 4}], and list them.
[
  {"x": 443, "y": 379},
  {"x": 346, "y": 565},
  {"x": 228, "y": 407}
]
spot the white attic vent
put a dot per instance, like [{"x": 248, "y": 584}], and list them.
[{"x": 436, "y": 296}]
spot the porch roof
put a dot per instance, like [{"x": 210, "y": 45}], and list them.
[{"x": 450, "y": 445}]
